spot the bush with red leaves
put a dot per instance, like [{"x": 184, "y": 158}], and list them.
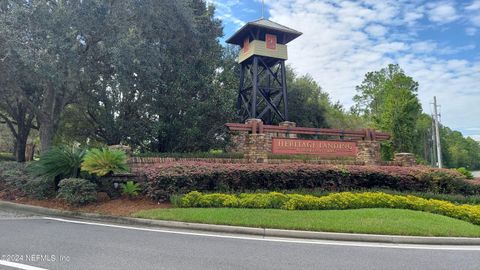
[{"x": 181, "y": 177}]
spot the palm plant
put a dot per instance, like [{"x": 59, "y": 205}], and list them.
[
  {"x": 59, "y": 161},
  {"x": 102, "y": 162},
  {"x": 131, "y": 189}
]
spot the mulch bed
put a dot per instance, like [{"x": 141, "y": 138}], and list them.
[{"x": 116, "y": 207}]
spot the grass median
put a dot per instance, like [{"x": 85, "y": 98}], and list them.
[{"x": 369, "y": 221}]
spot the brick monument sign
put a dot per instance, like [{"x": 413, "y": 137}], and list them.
[{"x": 256, "y": 141}]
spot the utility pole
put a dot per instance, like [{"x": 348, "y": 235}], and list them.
[
  {"x": 433, "y": 143},
  {"x": 437, "y": 132}
]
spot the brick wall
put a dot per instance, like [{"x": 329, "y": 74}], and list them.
[{"x": 368, "y": 152}]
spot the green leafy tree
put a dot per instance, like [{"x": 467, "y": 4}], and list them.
[
  {"x": 307, "y": 102},
  {"x": 389, "y": 98},
  {"x": 159, "y": 86},
  {"x": 458, "y": 151},
  {"x": 15, "y": 112},
  {"x": 43, "y": 36}
]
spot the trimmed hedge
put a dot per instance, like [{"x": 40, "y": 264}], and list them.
[
  {"x": 335, "y": 201},
  {"x": 76, "y": 191},
  {"x": 166, "y": 179}
]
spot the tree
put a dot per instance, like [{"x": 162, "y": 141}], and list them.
[
  {"x": 160, "y": 84},
  {"x": 389, "y": 98},
  {"x": 143, "y": 71},
  {"x": 15, "y": 111},
  {"x": 20, "y": 120},
  {"x": 458, "y": 151},
  {"x": 46, "y": 38},
  {"x": 307, "y": 102},
  {"x": 423, "y": 138},
  {"x": 339, "y": 118},
  {"x": 6, "y": 139}
]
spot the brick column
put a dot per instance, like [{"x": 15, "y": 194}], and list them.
[
  {"x": 368, "y": 152},
  {"x": 237, "y": 142},
  {"x": 287, "y": 124},
  {"x": 405, "y": 159},
  {"x": 256, "y": 148}
]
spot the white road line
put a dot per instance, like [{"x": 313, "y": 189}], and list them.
[
  {"x": 20, "y": 266},
  {"x": 296, "y": 241}
]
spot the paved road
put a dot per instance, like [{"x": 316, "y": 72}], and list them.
[
  {"x": 476, "y": 173},
  {"x": 56, "y": 244}
]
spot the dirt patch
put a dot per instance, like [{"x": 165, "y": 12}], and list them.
[{"x": 117, "y": 207}]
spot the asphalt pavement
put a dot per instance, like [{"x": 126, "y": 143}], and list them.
[{"x": 33, "y": 241}]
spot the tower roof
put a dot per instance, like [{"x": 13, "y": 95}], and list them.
[{"x": 273, "y": 27}]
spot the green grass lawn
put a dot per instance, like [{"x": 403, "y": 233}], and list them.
[{"x": 370, "y": 221}]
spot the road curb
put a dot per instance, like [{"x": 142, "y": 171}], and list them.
[{"x": 392, "y": 239}]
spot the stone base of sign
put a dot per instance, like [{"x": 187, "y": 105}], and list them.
[
  {"x": 256, "y": 150},
  {"x": 368, "y": 152},
  {"x": 237, "y": 142},
  {"x": 287, "y": 135},
  {"x": 405, "y": 159}
]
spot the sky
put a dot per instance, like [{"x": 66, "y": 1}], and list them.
[{"x": 435, "y": 42}]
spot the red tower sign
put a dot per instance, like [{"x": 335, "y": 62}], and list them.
[
  {"x": 246, "y": 45},
  {"x": 271, "y": 41}
]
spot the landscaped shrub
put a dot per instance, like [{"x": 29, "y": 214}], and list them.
[
  {"x": 334, "y": 201},
  {"x": 40, "y": 188},
  {"x": 105, "y": 161},
  {"x": 58, "y": 163},
  {"x": 197, "y": 199},
  {"x": 16, "y": 181},
  {"x": 182, "y": 177},
  {"x": 13, "y": 178},
  {"x": 468, "y": 174},
  {"x": 77, "y": 191},
  {"x": 454, "y": 198},
  {"x": 130, "y": 189},
  {"x": 262, "y": 200}
]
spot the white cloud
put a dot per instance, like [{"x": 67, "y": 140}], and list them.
[
  {"x": 443, "y": 12},
  {"x": 473, "y": 12},
  {"x": 424, "y": 46},
  {"x": 224, "y": 10},
  {"x": 376, "y": 30},
  {"x": 341, "y": 42},
  {"x": 475, "y": 20},
  {"x": 413, "y": 16},
  {"x": 475, "y": 5},
  {"x": 471, "y": 31}
]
